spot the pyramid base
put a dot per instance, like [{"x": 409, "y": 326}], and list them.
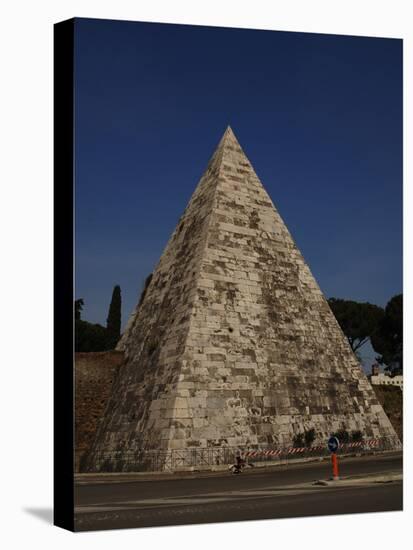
[{"x": 217, "y": 458}]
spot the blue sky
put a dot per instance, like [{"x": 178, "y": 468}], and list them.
[{"x": 319, "y": 116}]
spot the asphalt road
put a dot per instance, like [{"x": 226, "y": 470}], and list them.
[{"x": 278, "y": 492}]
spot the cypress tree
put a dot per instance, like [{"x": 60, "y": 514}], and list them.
[
  {"x": 113, "y": 321},
  {"x": 78, "y": 308}
]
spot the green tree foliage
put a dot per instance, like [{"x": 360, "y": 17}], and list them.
[
  {"x": 359, "y": 321},
  {"x": 356, "y": 435},
  {"x": 113, "y": 321},
  {"x": 304, "y": 439},
  {"x": 78, "y": 308},
  {"x": 309, "y": 436},
  {"x": 387, "y": 341},
  {"x": 90, "y": 337},
  {"x": 343, "y": 436},
  {"x": 298, "y": 440}
]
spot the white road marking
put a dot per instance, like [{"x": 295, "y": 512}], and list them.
[{"x": 209, "y": 498}]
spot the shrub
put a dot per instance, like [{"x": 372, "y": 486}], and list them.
[
  {"x": 90, "y": 337},
  {"x": 309, "y": 436},
  {"x": 343, "y": 436},
  {"x": 298, "y": 440},
  {"x": 356, "y": 436}
]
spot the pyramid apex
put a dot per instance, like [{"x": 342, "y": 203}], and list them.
[{"x": 229, "y": 137}]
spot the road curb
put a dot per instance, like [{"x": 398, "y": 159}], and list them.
[
  {"x": 123, "y": 477},
  {"x": 359, "y": 480}
]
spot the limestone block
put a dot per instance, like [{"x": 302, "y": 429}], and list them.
[{"x": 198, "y": 422}]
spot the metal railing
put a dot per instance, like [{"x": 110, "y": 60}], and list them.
[{"x": 206, "y": 458}]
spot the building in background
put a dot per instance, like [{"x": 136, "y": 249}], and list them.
[{"x": 378, "y": 378}]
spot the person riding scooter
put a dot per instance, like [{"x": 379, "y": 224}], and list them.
[{"x": 239, "y": 464}]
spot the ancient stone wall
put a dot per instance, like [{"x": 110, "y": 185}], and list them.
[
  {"x": 94, "y": 375},
  {"x": 391, "y": 399}
]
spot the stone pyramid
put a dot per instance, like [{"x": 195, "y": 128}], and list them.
[{"x": 234, "y": 344}]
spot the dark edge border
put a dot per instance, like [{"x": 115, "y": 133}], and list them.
[{"x": 63, "y": 429}]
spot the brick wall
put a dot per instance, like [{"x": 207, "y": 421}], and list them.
[{"x": 94, "y": 376}]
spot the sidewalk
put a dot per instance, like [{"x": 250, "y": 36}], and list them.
[
  {"x": 356, "y": 480},
  {"x": 208, "y": 471}
]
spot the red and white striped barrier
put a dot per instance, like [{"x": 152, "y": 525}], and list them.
[
  {"x": 300, "y": 450},
  {"x": 369, "y": 443}
]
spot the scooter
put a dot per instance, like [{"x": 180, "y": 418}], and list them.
[{"x": 239, "y": 466}]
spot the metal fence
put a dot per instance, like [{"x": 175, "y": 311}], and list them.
[
  {"x": 290, "y": 453},
  {"x": 168, "y": 460},
  {"x": 206, "y": 458}
]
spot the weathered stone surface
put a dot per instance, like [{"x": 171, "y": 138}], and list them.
[{"x": 234, "y": 336}]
